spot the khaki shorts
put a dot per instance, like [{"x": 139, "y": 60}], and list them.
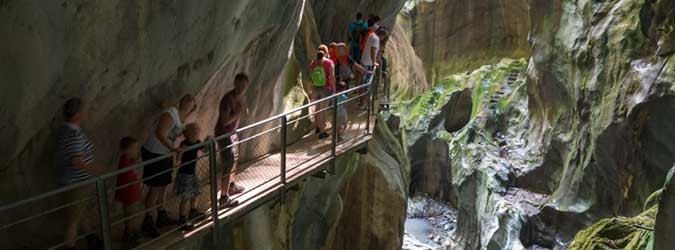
[{"x": 87, "y": 207}]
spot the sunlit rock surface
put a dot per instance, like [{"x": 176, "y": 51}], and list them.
[{"x": 458, "y": 35}]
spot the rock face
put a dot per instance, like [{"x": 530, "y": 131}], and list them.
[
  {"x": 601, "y": 95},
  {"x": 665, "y": 219},
  {"x": 454, "y": 36},
  {"x": 430, "y": 169}
]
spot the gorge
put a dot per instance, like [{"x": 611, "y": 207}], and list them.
[{"x": 512, "y": 124}]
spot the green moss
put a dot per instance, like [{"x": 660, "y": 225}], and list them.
[{"x": 619, "y": 232}]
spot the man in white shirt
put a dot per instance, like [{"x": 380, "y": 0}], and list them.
[{"x": 370, "y": 51}]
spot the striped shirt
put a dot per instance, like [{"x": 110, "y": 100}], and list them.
[{"x": 73, "y": 143}]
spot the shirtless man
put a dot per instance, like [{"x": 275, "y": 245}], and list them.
[{"x": 231, "y": 108}]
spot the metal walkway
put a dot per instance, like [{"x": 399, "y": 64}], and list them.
[{"x": 273, "y": 165}]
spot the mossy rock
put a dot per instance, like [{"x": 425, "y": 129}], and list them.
[{"x": 620, "y": 232}]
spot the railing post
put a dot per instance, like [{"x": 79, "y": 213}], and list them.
[
  {"x": 104, "y": 214},
  {"x": 214, "y": 190},
  {"x": 335, "y": 135},
  {"x": 282, "y": 170},
  {"x": 369, "y": 106}
]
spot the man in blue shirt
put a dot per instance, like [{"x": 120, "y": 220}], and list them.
[{"x": 356, "y": 34}]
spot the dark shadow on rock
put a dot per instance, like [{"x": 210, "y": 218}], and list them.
[{"x": 456, "y": 113}]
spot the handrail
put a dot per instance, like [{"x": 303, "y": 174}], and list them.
[{"x": 210, "y": 143}]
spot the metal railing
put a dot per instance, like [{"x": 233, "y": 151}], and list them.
[{"x": 280, "y": 157}]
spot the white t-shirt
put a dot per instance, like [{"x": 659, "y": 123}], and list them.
[{"x": 372, "y": 42}]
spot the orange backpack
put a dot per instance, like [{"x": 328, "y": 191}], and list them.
[{"x": 341, "y": 53}]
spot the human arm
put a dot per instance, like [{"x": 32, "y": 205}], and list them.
[
  {"x": 361, "y": 69},
  {"x": 229, "y": 113},
  {"x": 162, "y": 130},
  {"x": 78, "y": 162},
  {"x": 373, "y": 55},
  {"x": 332, "y": 77}
]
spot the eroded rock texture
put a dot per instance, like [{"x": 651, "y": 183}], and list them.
[
  {"x": 601, "y": 102},
  {"x": 454, "y": 36}
]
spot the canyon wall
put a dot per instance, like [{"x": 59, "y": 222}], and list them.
[
  {"x": 455, "y": 36},
  {"x": 601, "y": 102}
]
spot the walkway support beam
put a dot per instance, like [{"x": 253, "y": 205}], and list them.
[
  {"x": 283, "y": 144},
  {"x": 103, "y": 213},
  {"x": 214, "y": 189},
  {"x": 333, "y": 145}
]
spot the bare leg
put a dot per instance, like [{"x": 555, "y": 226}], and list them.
[
  {"x": 182, "y": 208},
  {"x": 151, "y": 199},
  {"x": 193, "y": 203},
  {"x": 71, "y": 233}
]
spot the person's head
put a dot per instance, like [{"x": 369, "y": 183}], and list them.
[
  {"x": 187, "y": 105},
  {"x": 324, "y": 48},
  {"x": 240, "y": 84},
  {"x": 320, "y": 55},
  {"x": 191, "y": 132},
  {"x": 374, "y": 22},
  {"x": 341, "y": 86},
  {"x": 381, "y": 33},
  {"x": 130, "y": 148},
  {"x": 73, "y": 111},
  {"x": 359, "y": 16}
]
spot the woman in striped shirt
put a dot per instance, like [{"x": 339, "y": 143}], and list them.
[{"x": 76, "y": 159}]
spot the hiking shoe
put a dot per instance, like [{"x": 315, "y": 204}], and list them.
[
  {"x": 226, "y": 202},
  {"x": 235, "y": 189},
  {"x": 323, "y": 135},
  {"x": 194, "y": 214},
  {"x": 149, "y": 228},
  {"x": 163, "y": 219},
  {"x": 185, "y": 224},
  {"x": 93, "y": 242}
]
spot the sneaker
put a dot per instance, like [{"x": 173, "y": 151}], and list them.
[
  {"x": 235, "y": 189},
  {"x": 194, "y": 214},
  {"x": 226, "y": 202},
  {"x": 149, "y": 227},
  {"x": 163, "y": 219},
  {"x": 323, "y": 135},
  {"x": 185, "y": 224},
  {"x": 93, "y": 242}
]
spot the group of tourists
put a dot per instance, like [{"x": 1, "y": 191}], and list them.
[
  {"x": 335, "y": 68},
  {"x": 76, "y": 159},
  {"x": 338, "y": 65}
]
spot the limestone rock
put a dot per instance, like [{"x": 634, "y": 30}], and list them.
[
  {"x": 665, "y": 219},
  {"x": 454, "y": 36},
  {"x": 430, "y": 169},
  {"x": 456, "y": 113}
]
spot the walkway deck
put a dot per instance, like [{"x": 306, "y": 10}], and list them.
[{"x": 261, "y": 177}]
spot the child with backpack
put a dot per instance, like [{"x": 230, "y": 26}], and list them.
[
  {"x": 322, "y": 77},
  {"x": 187, "y": 185},
  {"x": 128, "y": 190}
]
